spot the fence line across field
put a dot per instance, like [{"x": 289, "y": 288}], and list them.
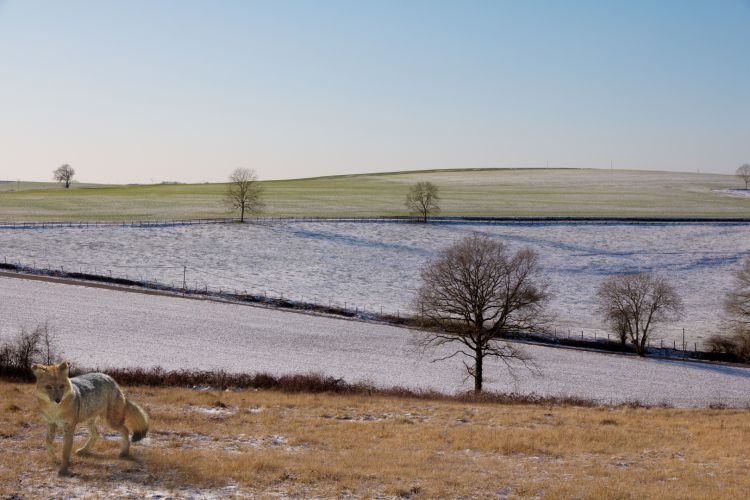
[
  {"x": 183, "y": 286},
  {"x": 216, "y": 220},
  {"x": 657, "y": 343},
  {"x": 183, "y": 282},
  {"x": 373, "y": 219},
  {"x": 94, "y": 224}
]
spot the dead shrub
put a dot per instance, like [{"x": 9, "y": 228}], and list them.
[
  {"x": 29, "y": 346},
  {"x": 737, "y": 344}
]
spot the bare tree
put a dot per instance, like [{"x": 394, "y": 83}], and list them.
[
  {"x": 27, "y": 347},
  {"x": 422, "y": 199},
  {"x": 743, "y": 172},
  {"x": 31, "y": 345},
  {"x": 244, "y": 193},
  {"x": 633, "y": 303},
  {"x": 50, "y": 351},
  {"x": 474, "y": 294},
  {"x": 620, "y": 328},
  {"x": 737, "y": 316},
  {"x": 737, "y": 302},
  {"x": 64, "y": 173}
]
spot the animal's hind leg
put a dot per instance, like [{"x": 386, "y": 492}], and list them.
[
  {"x": 116, "y": 420},
  {"x": 93, "y": 436},
  {"x": 125, "y": 448}
]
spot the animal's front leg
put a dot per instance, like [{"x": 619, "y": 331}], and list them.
[
  {"x": 50, "y": 441},
  {"x": 67, "y": 447}
]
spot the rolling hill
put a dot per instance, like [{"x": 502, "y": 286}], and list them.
[{"x": 490, "y": 192}]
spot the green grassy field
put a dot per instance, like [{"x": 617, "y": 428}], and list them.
[
  {"x": 514, "y": 192},
  {"x": 11, "y": 186}
]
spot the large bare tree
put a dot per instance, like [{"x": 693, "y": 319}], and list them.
[
  {"x": 737, "y": 302},
  {"x": 634, "y": 303},
  {"x": 737, "y": 310},
  {"x": 244, "y": 193},
  {"x": 64, "y": 173},
  {"x": 743, "y": 172},
  {"x": 422, "y": 199},
  {"x": 474, "y": 294}
]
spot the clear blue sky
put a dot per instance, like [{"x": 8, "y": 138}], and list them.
[{"x": 132, "y": 91}]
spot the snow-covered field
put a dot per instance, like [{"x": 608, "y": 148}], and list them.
[
  {"x": 377, "y": 265},
  {"x": 110, "y": 328}
]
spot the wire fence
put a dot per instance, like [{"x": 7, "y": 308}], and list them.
[
  {"x": 95, "y": 224},
  {"x": 217, "y": 220},
  {"x": 190, "y": 281},
  {"x": 397, "y": 219},
  {"x": 661, "y": 342}
]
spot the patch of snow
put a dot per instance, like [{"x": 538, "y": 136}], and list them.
[
  {"x": 214, "y": 411},
  {"x": 741, "y": 193}
]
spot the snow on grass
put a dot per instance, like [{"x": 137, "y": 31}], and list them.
[
  {"x": 376, "y": 266},
  {"x": 741, "y": 193},
  {"x": 119, "y": 329}
]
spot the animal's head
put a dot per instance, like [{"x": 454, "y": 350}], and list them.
[{"x": 52, "y": 382}]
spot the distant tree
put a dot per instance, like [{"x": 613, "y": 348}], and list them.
[
  {"x": 634, "y": 303},
  {"x": 244, "y": 193},
  {"x": 64, "y": 173},
  {"x": 422, "y": 199},
  {"x": 475, "y": 294},
  {"x": 743, "y": 172}
]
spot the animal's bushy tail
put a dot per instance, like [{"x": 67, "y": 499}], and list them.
[{"x": 136, "y": 420}]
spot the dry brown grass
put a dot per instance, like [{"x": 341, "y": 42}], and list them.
[{"x": 252, "y": 442}]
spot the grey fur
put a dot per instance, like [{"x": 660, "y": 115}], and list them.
[{"x": 94, "y": 392}]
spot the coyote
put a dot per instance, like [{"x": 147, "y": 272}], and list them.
[{"x": 65, "y": 402}]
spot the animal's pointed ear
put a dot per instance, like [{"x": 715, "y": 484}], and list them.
[
  {"x": 38, "y": 370},
  {"x": 64, "y": 367}
]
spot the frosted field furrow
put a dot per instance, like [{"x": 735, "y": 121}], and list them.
[
  {"x": 377, "y": 265},
  {"x": 109, "y": 328}
]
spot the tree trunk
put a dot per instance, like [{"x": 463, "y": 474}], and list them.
[
  {"x": 478, "y": 370},
  {"x": 67, "y": 184},
  {"x": 242, "y": 213},
  {"x": 641, "y": 346}
]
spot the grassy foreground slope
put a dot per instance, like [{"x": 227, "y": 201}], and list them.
[
  {"x": 515, "y": 192},
  {"x": 269, "y": 443}
]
